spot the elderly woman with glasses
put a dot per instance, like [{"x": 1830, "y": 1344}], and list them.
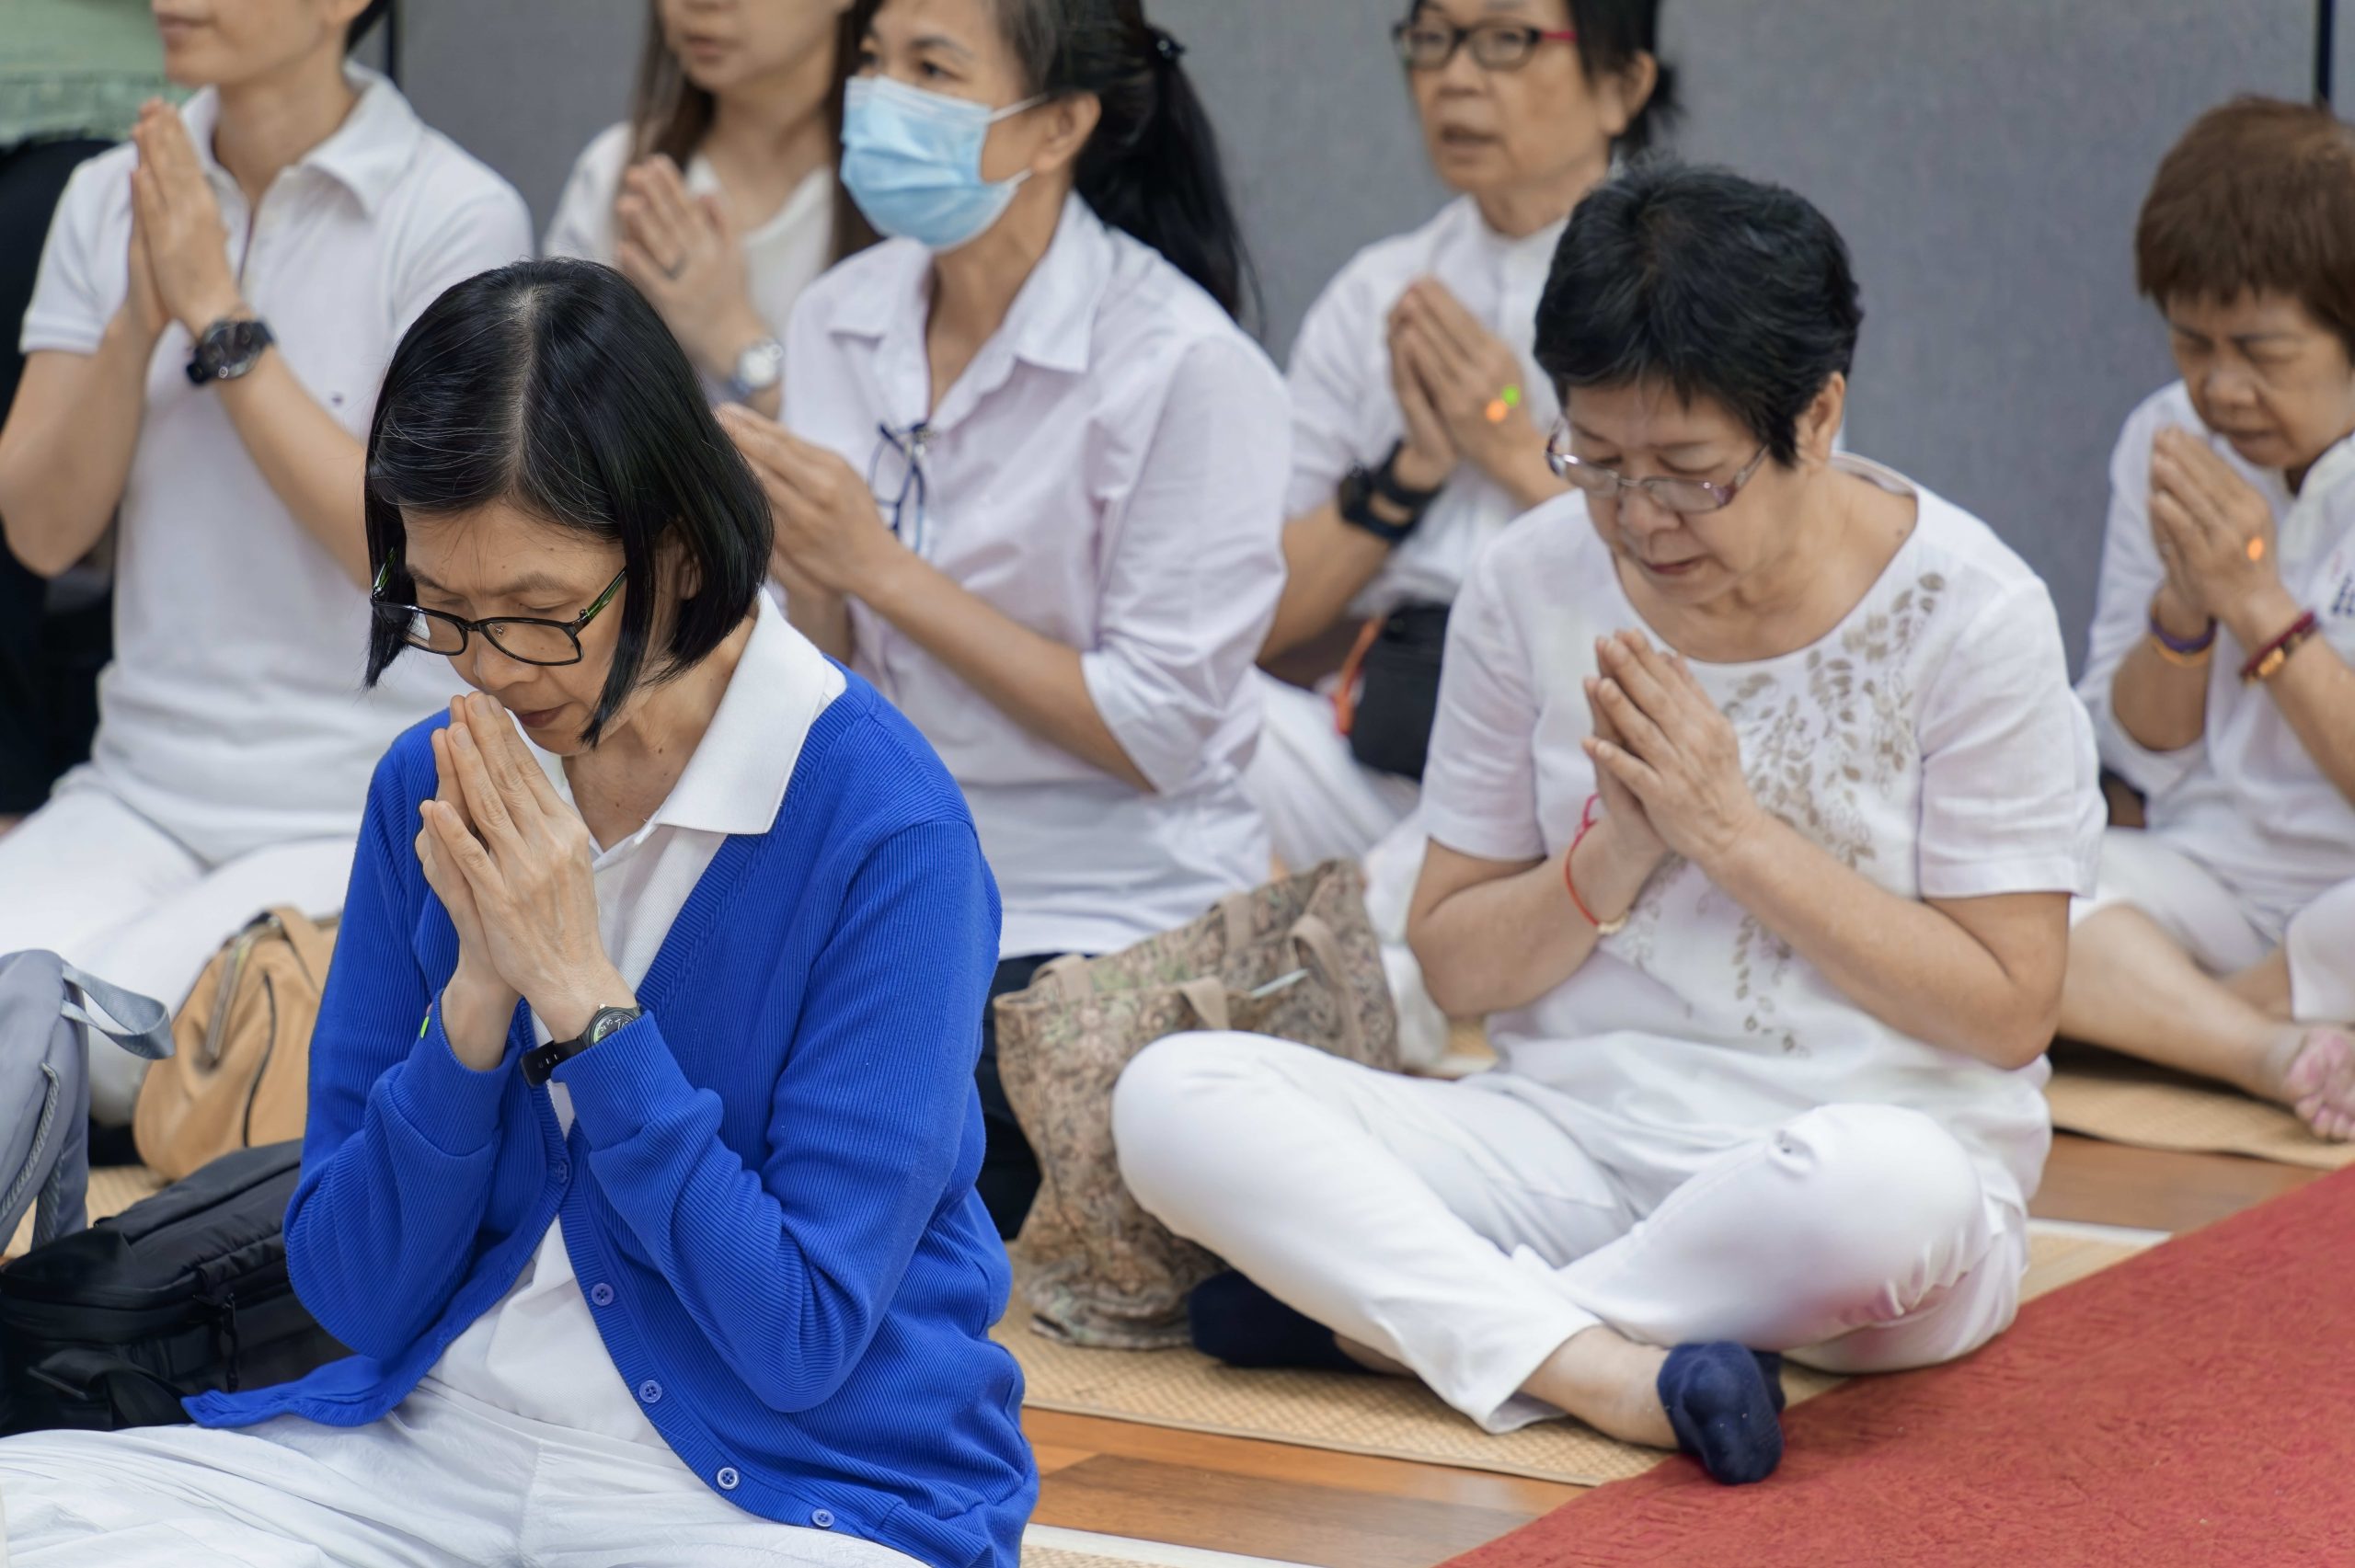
[
  {"x": 1757, "y": 797},
  {"x": 1419, "y": 418}
]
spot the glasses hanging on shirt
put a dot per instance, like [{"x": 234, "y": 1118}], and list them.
[{"x": 895, "y": 478}]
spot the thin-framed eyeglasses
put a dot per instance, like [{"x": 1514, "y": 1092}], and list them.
[
  {"x": 895, "y": 478},
  {"x": 1670, "y": 493},
  {"x": 1428, "y": 43},
  {"x": 526, "y": 639}
]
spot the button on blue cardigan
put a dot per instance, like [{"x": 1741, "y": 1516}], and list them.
[{"x": 768, "y": 1188}]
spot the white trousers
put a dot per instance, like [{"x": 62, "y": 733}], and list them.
[
  {"x": 1463, "y": 1233},
  {"x": 443, "y": 1480},
  {"x": 1321, "y": 803},
  {"x": 2208, "y": 922},
  {"x": 89, "y": 879}
]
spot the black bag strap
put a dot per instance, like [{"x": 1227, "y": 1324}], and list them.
[{"x": 135, "y": 1396}]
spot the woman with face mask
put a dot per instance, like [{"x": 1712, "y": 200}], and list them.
[
  {"x": 1031, "y": 477},
  {"x": 637, "y": 1173},
  {"x": 215, "y": 307},
  {"x": 716, "y": 197},
  {"x": 1418, "y": 420},
  {"x": 2222, "y": 939}
]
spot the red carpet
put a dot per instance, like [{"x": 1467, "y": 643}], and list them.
[{"x": 2192, "y": 1406}]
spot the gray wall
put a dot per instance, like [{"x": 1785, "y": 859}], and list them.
[{"x": 1984, "y": 161}]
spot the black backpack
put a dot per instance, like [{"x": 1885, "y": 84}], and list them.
[{"x": 180, "y": 1293}]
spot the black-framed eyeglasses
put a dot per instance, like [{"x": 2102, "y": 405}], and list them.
[
  {"x": 526, "y": 639},
  {"x": 1683, "y": 496},
  {"x": 895, "y": 478},
  {"x": 1428, "y": 43}
]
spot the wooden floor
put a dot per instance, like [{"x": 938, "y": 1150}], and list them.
[{"x": 1303, "y": 1506}]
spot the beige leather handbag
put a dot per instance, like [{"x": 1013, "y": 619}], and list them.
[{"x": 240, "y": 1075}]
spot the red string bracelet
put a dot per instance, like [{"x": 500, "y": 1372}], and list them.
[
  {"x": 2267, "y": 660},
  {"x": 1587, "y": 819}
]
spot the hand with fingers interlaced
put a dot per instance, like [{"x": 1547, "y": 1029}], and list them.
[{"x": 511, "y": 861}]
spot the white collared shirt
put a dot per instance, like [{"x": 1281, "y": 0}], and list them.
[
  {"x": 1344, "y": 412},
  {"x": 1109, "y": 472},
  {"x": 538, "y": 1352},
  {"x": 232, "y": 714},
  {"x": 2246, "y": 800},
  {"x": 782, "y": 257}
]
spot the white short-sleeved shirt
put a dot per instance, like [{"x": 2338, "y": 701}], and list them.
[
  {"x": 2246, "y": 800},
  {"x": 232, "y": 714},
  {"x": 1929, "y": 741},
  {"x": 1110, "y": 473},
  {"x": 781, "y": 256},
  {"x": 538, "y": 1352},
  {"x": 1344, "y": 412}
]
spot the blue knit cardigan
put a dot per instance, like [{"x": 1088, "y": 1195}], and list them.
[{"x": 768, "y": 1187}]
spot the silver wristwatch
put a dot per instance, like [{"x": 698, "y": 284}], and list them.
[{"x": 759, "y": 367}]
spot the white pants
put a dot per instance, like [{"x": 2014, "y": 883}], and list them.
[
  {"x": 2222, "y": 934},
  {"x": 1321, "y": 803},
  {"x": 1461, "y": 1232},
  {"x": 443, "y": 1480},
  {"x": 89, "y": 879}
]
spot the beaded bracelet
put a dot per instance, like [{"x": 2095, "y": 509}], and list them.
[
  {"x": 1586, "y": 824},
  {"x": 2186, "y": 652},
  {"x": 2268, "y": 660}
]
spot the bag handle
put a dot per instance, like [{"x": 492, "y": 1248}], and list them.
[
  {"x": 1235, "y": 911},
  {"x": 310, "y": 942},
  {"x": 139, "y": 1024},
  {"x": 1066, "y": 977},
  {"x": 1316, "y": 939},
  {"x": 1207, "y": 997}
]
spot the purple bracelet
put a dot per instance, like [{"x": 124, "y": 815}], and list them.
[{"x": 2185, "y": 646}]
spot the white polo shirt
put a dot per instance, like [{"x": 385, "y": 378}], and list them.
[
  {"x": 1109, "y": 472},
  {"x": 232, "y": 714},
  {"x": 782, "y": 257},
  {"x": 2245, "y": 800},
  {"x": 1929, "y": 742},
  {"x": 1344, "y": 412},
  {"x": 538, "y": 1352}
]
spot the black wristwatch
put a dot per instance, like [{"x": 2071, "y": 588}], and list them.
[
  {"x": 229, "y": 347},
  {"x": 542, "y": 1061},
  {"x": 1362, "y": 484}
]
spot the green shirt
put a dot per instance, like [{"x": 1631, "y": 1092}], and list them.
[{"x": 77, "y": 68}]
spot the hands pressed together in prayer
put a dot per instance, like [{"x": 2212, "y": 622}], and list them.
[
  {"x": 180, "y": 247},
  {"x": 830, "y": 538},
  {"x": 685, "y": 255},
  {"x": 1459, "y": 391},
  {"x": 1667, "y": 763},
  {"x": 2215, "y": 538},
  {"x": 512, "y": 863}
]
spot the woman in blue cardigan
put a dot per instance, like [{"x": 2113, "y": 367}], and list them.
[{"x": 639, "y": 1167}]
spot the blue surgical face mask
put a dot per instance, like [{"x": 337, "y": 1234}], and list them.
[{"x": 913, "y": 162}]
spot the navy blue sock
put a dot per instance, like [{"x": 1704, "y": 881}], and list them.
[
  {"x": 1242, "y": 1325},
  {"x": 1724, "y": 1409}
]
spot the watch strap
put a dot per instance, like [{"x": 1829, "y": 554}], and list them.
[
  {"x": 228, "y": 348},
  {"x": 1355, "y": 499},
  {"x": 1386, "y": 485},
  {"x": 541, "y": 1061}
]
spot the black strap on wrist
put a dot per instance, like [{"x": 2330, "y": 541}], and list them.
[{"x": 1359, "y": 490}]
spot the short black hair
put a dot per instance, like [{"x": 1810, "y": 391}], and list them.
[
  {"x": 553, "y": 386},
  {"x": 1722, "y": 287},
  {"x": 360, "y": 25},
  {"x": 1611, "y": 34}
]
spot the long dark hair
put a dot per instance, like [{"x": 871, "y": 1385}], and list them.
[
  {"x": 1152, "y": 166},
  {"x": 670, "y": 115},
  {"x": 553, "y": 386}
]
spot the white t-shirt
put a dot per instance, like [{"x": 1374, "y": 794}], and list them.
[
  {"x": 2246, "y": 800},
  {"x": 537, "y": 1352},
  {"x": 1930, "y": 742},
  {"x": 1344, "y": 412},
  {"x": 781, "y": 256},
  {"x": 232, "y": 714},
  {"x": 1110, "y": 473}
]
